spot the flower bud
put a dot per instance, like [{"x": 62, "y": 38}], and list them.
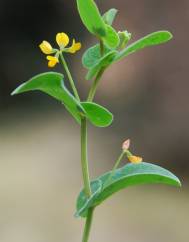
[
  {"x": 126, "y": 144},
  {"x": 124, "y": 37}
]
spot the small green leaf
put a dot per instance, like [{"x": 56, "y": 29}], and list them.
[
  {"x": 92, "y": 56},
  {"x": 103, "y": 63},
  {"x": 109, "y": 16},
  {"x": 91, "y": 17},
  {"x": 97, "y": 115},
  {"x": 52, "y": 84},
  {"x": 129, "y": 175},
  {"x": 111, "y": 39},
  {"x": 84, "y": 203},
  {"x": 155, "y": 38}
]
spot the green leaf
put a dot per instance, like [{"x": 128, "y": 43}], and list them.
[
  {"x": 91, "y": 17},
  {"x": 93, "y": 61},
  {"x": 92, "y": 56},
  {"x": 102, "y": 63},
  {"x": 52, "y": 84},
  {"x": 111, "y": 39},
  {"x": 109, "y": 16},
  {"x": 129, "y": 175},
  {"x": 84, "y": 203},
  {"x": 97, "y": 115},
  {"x": 155, "y": 38}
]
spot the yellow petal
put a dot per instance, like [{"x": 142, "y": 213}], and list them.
[
  {"x": 53, "y": 58},
  {"x": 75, "y": 47},
  {"x": 51, "y": 64},
  {"x": 52, "y": 61},
  {"x": 46, "y": 47},
  {"x": 135, "y": 159},
  {"x": 62, "y": 39}
]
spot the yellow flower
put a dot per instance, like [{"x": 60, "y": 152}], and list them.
[
  {"x": 52, "y": 61},
  {"x": 75, "y": 47},
  {"x": 46, "y": 47},
  {"x": 62, "y": 39},
  {"x": 135, "y": 159}
]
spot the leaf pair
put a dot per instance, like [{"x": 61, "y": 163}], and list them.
[
  {"x": 93, "y": 61},
  {"x": 128, "y": 175},
  {"x": 52, "y": 84}
]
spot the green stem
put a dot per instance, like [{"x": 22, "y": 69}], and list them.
[
  {"x": 101, "y": 47},
  {"x": 115, "y": 167},
  {"x": 69, "y": 77},
  {"x": 97, "y": 79},
  {"x": 86, "y": 179},
  {"x": 84, "y": 158},
  {"x": 118, "y": 161},
  {"x": 94, "y": 86},
  {"x": 88, "y": 225}
]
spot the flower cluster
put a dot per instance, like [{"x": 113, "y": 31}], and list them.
[{"x": 62, "y": 40}]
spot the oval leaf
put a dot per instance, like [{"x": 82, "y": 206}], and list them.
[
  {"x": 91, "y": 17},
  {"x": 132, "y": 174},
  {"x": 155, "y": 38},
  {"x": 111, "y": 39},
  {"x": 103, "y": 62},
  {"x": 109, "y": 16},
  {"x": 97, "y": 115},
  {"x": 52, "y": 84},
  {"x": 92, "y": 56}
]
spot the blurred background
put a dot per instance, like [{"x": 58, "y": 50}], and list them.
[{"x": 40, "y": 174}]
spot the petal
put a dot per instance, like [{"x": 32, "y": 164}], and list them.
[
  {"x": 51, "y": 64},
  {"x": 52, "y": 60},
  {"x": 62, "y": 39},
  {"x": 72, "y": 49},
  {"x": 75, "y": 47},
  {"x": 46, "y": 47},
  {"x": 135, "y": 159},
  {"x": 49, "y": 57}
]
